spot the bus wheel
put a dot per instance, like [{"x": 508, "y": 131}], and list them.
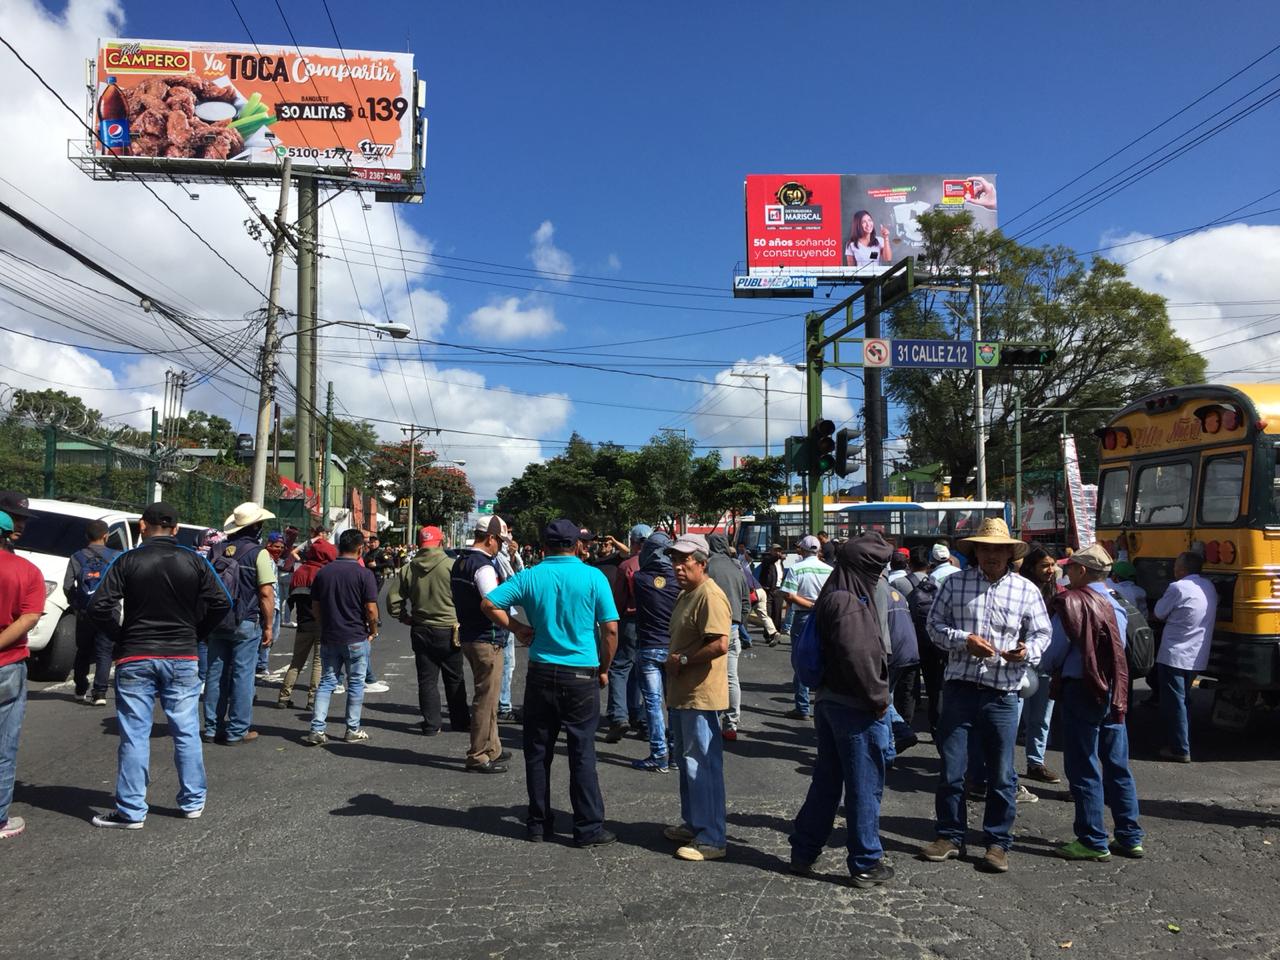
[{"x": 1232, "y": 709}]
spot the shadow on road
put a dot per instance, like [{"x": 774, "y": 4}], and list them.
[{"x": 75, "y": 802}]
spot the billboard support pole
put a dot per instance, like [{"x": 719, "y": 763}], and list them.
[
  {"x": 872, "y": 382},
  {"x": 813, "y": 323},
  {"x": 270, "y": 344},
  {"x": 1017, "y": 460},
  {"x": 308, "y": 201},
  {"x": 979, "y": 401}
]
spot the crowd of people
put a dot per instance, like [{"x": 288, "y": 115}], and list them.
[{"x": 992, "y": 633}]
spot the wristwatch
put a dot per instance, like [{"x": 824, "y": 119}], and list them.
[{"x": 684, "y": 661}]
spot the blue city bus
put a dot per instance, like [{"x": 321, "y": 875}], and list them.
[{"x": 904, "y": 524}]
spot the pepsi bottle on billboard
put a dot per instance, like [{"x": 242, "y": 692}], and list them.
[{"x": 113, "y": 120}]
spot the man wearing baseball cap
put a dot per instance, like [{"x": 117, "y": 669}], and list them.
[
  {"x": 422, "y": 598},
  {"x": 1091, "y": 688},
  {"x": 626, "y": 706},
  {"x": 14, "y": 503},
  {"x": 801, "y": 587},
  {"x": 21, "y": 604},
  {"x": 572, "y": 640},
  {"x": 473, "y": 577},
  {"x": 940, "y": 565}
]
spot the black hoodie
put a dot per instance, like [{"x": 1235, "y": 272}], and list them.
[{"x": 855, "y": 666}]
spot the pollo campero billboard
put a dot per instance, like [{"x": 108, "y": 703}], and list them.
[{"x": 186, "y": 101}]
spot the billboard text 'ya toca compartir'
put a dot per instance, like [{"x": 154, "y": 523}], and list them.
[
  {"x": 245, "y": 105},
  {"x": 834, "y": 225}
]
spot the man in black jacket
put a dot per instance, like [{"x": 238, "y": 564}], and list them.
[
  {"x": 854, "y": 695},
  {"x": 771, "y": 574},
  {"x": 172, "y": 598}
]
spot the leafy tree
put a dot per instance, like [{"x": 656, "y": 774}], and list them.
[
  {"x": 206, "y": 430},
  {"x": 440, "y": 493},
  {"x": 1113, "y": 342},
  {"x": 55, "y": 408},
  {"x": 355, "y": 441}
]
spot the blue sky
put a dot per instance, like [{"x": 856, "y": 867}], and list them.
[{"x": 629, "y": 128}]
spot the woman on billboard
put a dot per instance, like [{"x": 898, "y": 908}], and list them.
[{"x": 864, "y": 246}]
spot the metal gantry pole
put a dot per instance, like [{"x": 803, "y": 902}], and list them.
[
  {"x": 308, "y": 201},
  {"x": 270, "y": 344},
  {"x": 813, "y": 413},
  {"x": 873, "y": 392}
]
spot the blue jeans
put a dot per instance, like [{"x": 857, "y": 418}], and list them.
[
  {"x": 264, "y": 653},
  {"x": 13, "y": 705},
  {"x": 177, "y": 684},
  {"x": 202, "y": 653},
  {"x": 699, "y": 750},
  {"x": 508, "y": 671},
  {"x": 626, "y": 703},
  {"x": 744, "y": 635},
  {"x": 334, "y": 657},
  {"x": 972, "y": 712},
  {"x": 798, "y": 619},
  {"x": 228, "y": 699},
  {"x": 1037, "y": 714},
  {"x": 1175, "y": 684},
  {"x": 653, "y": 684},
  {"x": 851, "y": 761},
  {"x": 1095, "y": 754}
]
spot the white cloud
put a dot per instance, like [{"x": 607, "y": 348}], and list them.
[
  {"x": 1206, "y": 276},
  {"x": 548, "y": 259},
  {"x": 511, "y": 318},
  {"x": 614, "y": 263},
  {"x": 731, "y": 412}
]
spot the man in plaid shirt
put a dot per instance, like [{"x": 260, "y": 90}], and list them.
[{"x": 992, "y": 624}]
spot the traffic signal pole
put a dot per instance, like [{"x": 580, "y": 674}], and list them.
[
  {"x": 979, "y": 405},
  {"x": 873, "y": 390},
  {"x": 813, "y": 411}
]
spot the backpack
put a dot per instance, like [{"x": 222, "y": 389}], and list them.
[
  {"x": 920, "y": 602},
  {"x": 806, "y": 652},
  {"x": 235, "y": 563},
  {"x": 1139, "y": 638},
  {"x": 93, "y": 564}
]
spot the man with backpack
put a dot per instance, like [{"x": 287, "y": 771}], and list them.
[
  {"x": 84, "y": 574},
  {"x": 1091, "y": 686},
  {"x": 170, "y": 598},
  {"x": 249, "y": 575}
]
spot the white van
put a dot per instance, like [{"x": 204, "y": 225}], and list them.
[{"x": 52, "y": 535}]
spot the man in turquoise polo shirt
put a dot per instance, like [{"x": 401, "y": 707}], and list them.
[{"x": 569, "y": 659}]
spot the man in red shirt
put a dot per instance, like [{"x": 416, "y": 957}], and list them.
[{"x": 21, "y": 604}]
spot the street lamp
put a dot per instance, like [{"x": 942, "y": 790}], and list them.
[{"x": 266, "y": 394}]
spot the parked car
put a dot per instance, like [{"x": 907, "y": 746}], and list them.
[{"x": 52, "y": 535}]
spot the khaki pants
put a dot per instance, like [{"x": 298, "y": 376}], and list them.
[
  {"x": 306, "y": 641},
  {"x": 760, "y": 614},
  {"x": 486, "y": 672}
]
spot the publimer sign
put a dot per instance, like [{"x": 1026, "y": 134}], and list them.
[{"x": 852, "y": 225}]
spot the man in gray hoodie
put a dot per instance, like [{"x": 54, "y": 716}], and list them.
[{"x": 723, "y": 568}]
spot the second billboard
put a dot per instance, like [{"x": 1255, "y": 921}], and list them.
[{"x": 835, "y": 226}]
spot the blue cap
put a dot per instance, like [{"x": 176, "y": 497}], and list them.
[
  {"x": 6, "y": 523},
  {"x": 641, "y": 531},
  {"x": 560, "y": 532},
  {"x": 274, "y": 537}
]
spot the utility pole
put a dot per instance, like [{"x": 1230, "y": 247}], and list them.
[
  {"x": 328, "y": 454},
  {"x": 872, "y": 380},
  {"x": 414, "y": 433},
  {"x": 765, "y": 378},
  {"x": 308, "y": 203},
  {"x": 813, "y": 413},
  {"x": 979, "y": 403},
  {"x": 271, "y": 344},
  {"x": 1017, "y": 461}
]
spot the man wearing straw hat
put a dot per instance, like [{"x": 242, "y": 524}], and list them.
[
  {"x": 233, "y": 647},
  {"x": 991, "y": 624}
]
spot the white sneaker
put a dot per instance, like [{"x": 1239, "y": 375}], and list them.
[
  {"x": 113, "y": 820},
  {"x": 193, "y": 814},
  {"x": 1025, "y": 796},
  {"x": 376, "y": 687},
  {"x": 339, "y": 689}
]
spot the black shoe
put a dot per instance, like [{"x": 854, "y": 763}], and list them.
[
  {"x": 773, "y": 641},
  {"x": 872, "y": 876},
  {"x": 430, "y": 731},
  {"x": 503, "y": 757},
  {"x": 906, "y": 743},
  {"x": 601, "y": 839},
  {"x": 796, "y": 715},
  {"x": 800, "y": 868},
  {"x": 616, "y": 732},
  {"x": 508, "y": 716},
  {"x": 539, "y": 834},
  {"x": 490, "y": 767}
]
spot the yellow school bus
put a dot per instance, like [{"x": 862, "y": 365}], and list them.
[{"x": 1198, "y": 468}]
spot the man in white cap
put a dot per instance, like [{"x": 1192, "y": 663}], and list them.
[
  {"x": 992, "y": 624},
  {"x": 249, "y": 574},
  {"x": 1091, "y": 688},
  {"x": 801, "y": 587},
  {"x": 940, "y": 565}
]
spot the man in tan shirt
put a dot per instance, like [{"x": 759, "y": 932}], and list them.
[{"x": 697, "y": 692}]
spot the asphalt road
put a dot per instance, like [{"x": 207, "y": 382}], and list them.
[{"x": 388, "y": 849}]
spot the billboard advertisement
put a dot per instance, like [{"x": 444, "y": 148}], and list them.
[
  {"x": 843, "y": 226},
  {"x": 189, "y": 101}
]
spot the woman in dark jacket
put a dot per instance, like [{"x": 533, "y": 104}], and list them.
[{"x": 1040, "y": 568}]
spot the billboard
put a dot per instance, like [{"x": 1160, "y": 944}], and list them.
[
  {"x": 843, "y": 226},
  {"x": 186, "y": 103}
]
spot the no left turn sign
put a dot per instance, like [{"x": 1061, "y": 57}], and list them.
[{"x": 875, "y": 353}]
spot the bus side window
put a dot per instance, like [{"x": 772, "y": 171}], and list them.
[
  {"x": 1113, "y": 497},
  {"x": 1274, "y": 518},
  {"x": 1221, "y": 488}
]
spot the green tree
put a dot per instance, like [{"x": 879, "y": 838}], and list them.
[
  {"x": 1113, "y": 342},
  {"x": 355, "y": 441},
  {"x": 440, "y": 493},
  {"x": 56, "y": 408},
  {"x": 209, "y": 431}
]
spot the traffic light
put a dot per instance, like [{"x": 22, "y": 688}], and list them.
[
  {"x": 822, "y": 447},
  {"x": 847, "y": 451},
  {"x": 797, "y": 454},
  {"x": 1027, "y": 354}
]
